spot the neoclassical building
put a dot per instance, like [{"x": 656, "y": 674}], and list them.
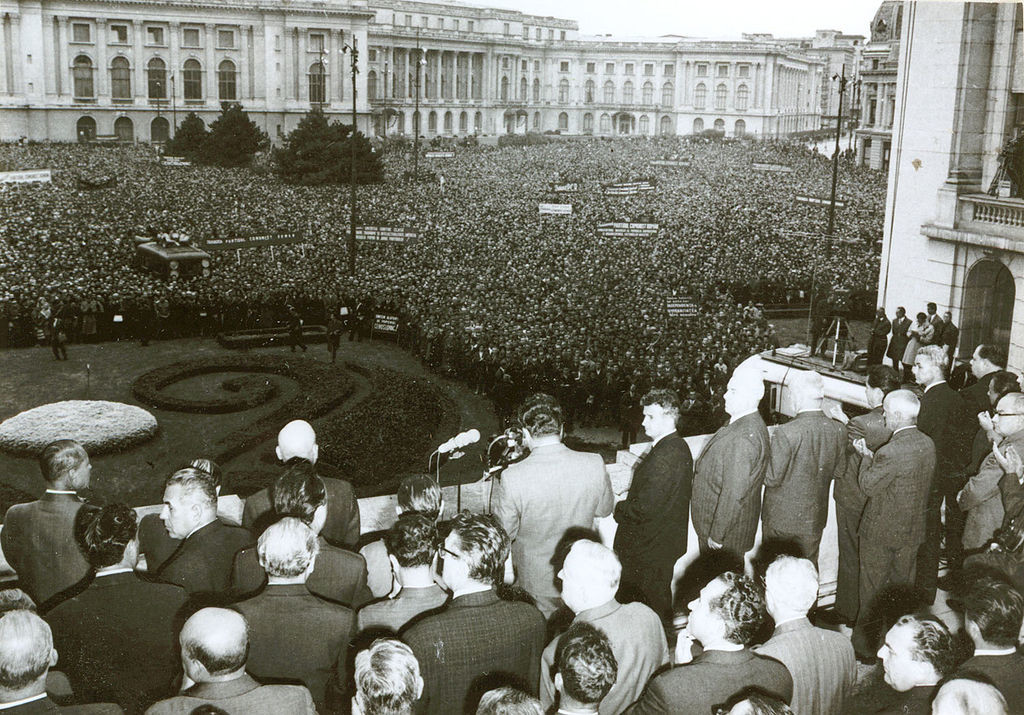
[
  {"x": 130, "y": 70},
  {"x": 877, "y": 91}
]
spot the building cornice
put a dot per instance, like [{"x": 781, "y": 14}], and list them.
[{"x": 272, "y": 7}]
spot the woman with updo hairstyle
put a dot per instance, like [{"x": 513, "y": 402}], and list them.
[{"x": 102, "y": 534}]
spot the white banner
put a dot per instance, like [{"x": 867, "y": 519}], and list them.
[
  {"x": 29, "y": 176},
  {"x": 555, "y": 209}
]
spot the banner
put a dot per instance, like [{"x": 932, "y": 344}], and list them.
[
  {"x": 233, "y": 242},
  {"x": 386, "y": 234},
  {"x": 29, "y": 176},
  {"x": 570, "y": 187},
  {"x": 627, "y": 230},
  {"x": 818, "y": 201},
  {"x": 772, "y": 167},
  {"x": 681, "y": 307},
  {"x": 440, "y": 155},
  {"x": 385, "y": 323},
  {"x": 555, "y": 209},
  {"x": 175, "y": 161},
  {"x": 671, "y": 162},
  {"x": 628, "y": 188}
]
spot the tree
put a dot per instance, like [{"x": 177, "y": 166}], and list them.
[
  {"x": 318, "y": 152},
  {"x": 188, "y": 139},
  {"x": 233, "y": 139}
]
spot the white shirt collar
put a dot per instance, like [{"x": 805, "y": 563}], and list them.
[
  {"x": 62, "y": 491},
  {"x": 479, "y": 588},
  {"x": 16, "y": 703},
  {"x": 996, "y": 651},
  {"x": 900, "y": 429},
  {"x": 789, "y": 620},
  {"x": 937, "y": 382},
  {"x": 111, "y": 572}
]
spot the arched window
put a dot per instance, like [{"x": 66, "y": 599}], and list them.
[
  {"x": 698, "y": 125},
  {"x": 666, "y": 126},
  {"x": 721, "y": 96},
  {"x": 700, "y": 96},
  {"x": 226, "y": 88},
  {"x": 504, "y": 88},
  {"x": 609, "y": 92},
  {"x": 668, "y": 95},
  {"x": 742, "y": 97},
  {"x": 371, "y": 85},
  {"x": 536, "y": 89},
  {"x": 448, "y": 126},
  {"x": 627, "y": 92},
  {"x": 192, "y": 80},
  {"x": 536, "y": 121},
  {"x": 588, "y": 92},
  {"x": 432, "y": 121},
  {"x": 463, "y": 122},
  {"x": 478, "y": 121},
  {"x": 86, "y": 129},
  {"x": 157, "y": 76},
  {"x": 124, "y": 129},
  {"x": 159, "y": 130},
  {"x": 606, "y": 124},
  {"x": 563, "y": 91},
  {"x": 645, "y": 124},
  {"x": 523, "y": 86},
  {"x": 82, "y": 73},
  {"x": 588, "y": 123},
  {"x": 740, "y": 128},
  {"x": 563, "y": 122},
  {"x": 989, "y": 295},
  {"x": 720, "y": 125},
  {"x": 648, "y": 93},
  {"x": 317, "y": 83},
  {"x": 120, "y": 79}
]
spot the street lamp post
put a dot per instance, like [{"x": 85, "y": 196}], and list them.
[
  {"x": 353, "y": 51},
  {"x": 174, "y": 107},
  {"x": 416, "y": 113}
]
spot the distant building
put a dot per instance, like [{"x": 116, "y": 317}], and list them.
[
  {"x": 954, "y": 229},
  {"x": 877, "y": 91}
]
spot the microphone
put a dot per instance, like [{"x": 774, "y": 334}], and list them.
[{"x": 459, "y": 441}]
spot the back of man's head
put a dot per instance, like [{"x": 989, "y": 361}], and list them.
[
  {"x": 808, "y": 389},
  {"x": 103, "y": 534},
  {"x": 993, "y": 354},
  {"x": 884, "y": 378},
  {"x": 299, "y": 492},
  {"x": 507, "y": 700},
  {"x": 422, "y": 494},
  {"x": 542, "y": 416},
  {"x": 412, "y": 540},
  {"x": 590, "y": 575},
  {"x": 387, "y": 677},
  {"x": 936, "y": 358},
  {"x": 297, "y": 439},
  {"x": 59, "y": 461},
  {"x": 484, "y": 544},
  {"x": 587, "y": 668},
  {"x": 740, "y": 606},
  {"x": 14, "y": 599},
  {"x": 287, "y": 549},
  {"x": 903, "y": 407},
  {"x": 967, "y": 696},
  {"x": 217, "y": 639},
  {"x": 791, "y": 587},
  {"x": 747, "y": 386},
  {"x": 993, "y": 612},
  {"x": 26, "y": 652}
]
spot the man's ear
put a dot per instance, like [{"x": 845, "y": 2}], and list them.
[
  {"x": 419, "y": 687},
  {"x": 53, "y": 657},
  {"x": 559, "y": 683},
  {"x": 315, "y": 454},
  {"x": 277, "y": 451}
]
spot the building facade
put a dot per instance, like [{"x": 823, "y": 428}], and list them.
[
  {"x": 954, "y": 231},
  {"x": 122, "y": 70},
  {"x": 877, "y": 90}
]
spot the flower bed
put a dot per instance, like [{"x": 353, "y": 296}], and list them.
[
  {"x": 269, "y": 337},
  {"x": 100, "y": 426}
]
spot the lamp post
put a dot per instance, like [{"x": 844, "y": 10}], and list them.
[
  {"x": 384, "y": 97},
  {"x": 353, "y": 53},
  {"x": 174, "y": 107},
  {"x": 416, "y": 113}
]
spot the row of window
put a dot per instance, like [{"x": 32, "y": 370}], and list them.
[
  {"x": 83, "y": 75},
  {"x": 668, "y": 69},
  {"x": 700, "y": 96},
  {"x": 156, "y": 35},
  {"x": 739, "y": 128},
  {"x": 124, "y": 129}
]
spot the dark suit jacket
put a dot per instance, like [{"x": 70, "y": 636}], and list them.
[
  {"x": 338, "y": 575},
  {"x": 948, "y": 336},
  {"x": 241, "y": 695},
  {"x": 897, "y": 483},
  {"x": 202, "y": 563},
  {"x": 38, "y": 542},
  {"x": 118, "y": 639},
  {"x": 976, "y": 395},
  {"x": 1005, "y": 673},
  {"x": 808, "y": 452},
  {"x": 45, "y": 706},
  {"x": 296, "y": 636},
  {"x": 342, "y": 525},
  {"x": 711, "y": 679},
  {"x": 871, "y": 428},
  {"x": 946, "y": 418},
  {"x": 727, "y": 484},
  {"x": 652, "y": 518},
  {"x": 898, "y": 343},
  {"x": 477, "y": 635}
]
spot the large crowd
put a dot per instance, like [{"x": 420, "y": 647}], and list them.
[{"x": 489, "y": 285}]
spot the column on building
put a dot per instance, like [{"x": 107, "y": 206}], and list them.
[
  {"x": 209, "y": 77},
  {"x": 175, "y": 80},
  {"x": 60, "y": 61},
  {"x": 138, "y": 58},
  {"x": 12, "y": 47}
]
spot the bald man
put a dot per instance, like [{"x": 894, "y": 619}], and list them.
[
  {"x": 297, "y": 440},
  {"x": 730, "y": 471},
  {"x": 214, "y": 647},
  {"x": 26, "y": 655}
]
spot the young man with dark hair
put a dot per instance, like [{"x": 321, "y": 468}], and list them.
[
  {"x": 586, "y": 670},
  {"x": 993, "y": 611}
]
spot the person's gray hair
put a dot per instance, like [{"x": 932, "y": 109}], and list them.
[
  {"x": 936, "y": 356},
  {"x": 596, "y": 562},
  {"x": 792, "y": 582},
  {"x": 287, "y": 547},
  {"x": 25, "y": 646},
  {"x": 386, "y": 677},
  {"x": 808, "y": 385},
  {"x": 749, "y": 382},
  {"x": 903, "y": 403},
  {"x": 1014, "y": 402}
]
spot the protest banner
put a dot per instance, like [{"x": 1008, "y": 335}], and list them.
[
  {"x": 28, "y": 176},
  {"x": 569, "y": 187},
  {"x": 175, "y": 161},
  {"x": 440, "y": 155},
  {"x": 230, "y": 243},
  {"x": 818, "y": 201},
  {"x": 628, "y": 188},
  {"x": 555, "y": 209},
  {"x": 681, "y": 307},
  {"x": 781, "y": 168},
  {"x": 386, "y": 234},
  {"x": 627, "y": 230},
  {"x": 671, "y": 162},
  {"x": 385, "y": 323}
]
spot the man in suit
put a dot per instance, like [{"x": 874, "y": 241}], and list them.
[
  {"x": 916, "y": 655},
  {"x": 993, "y": 611},
  {"x": 412, "y": 549},
  {"x": 986, "y": 361},
  {"x": 808, "y": 452},
  {"x": 26, "y": 656},
  {"x": 538, "y": 499},
  {"x": 946, "y": 419},
  {"x": 387, "y": 678},
  {"x": 898, "y": 344},
  {"x": 116, "y": 633},
  {"x": 297, "y": 440},
  {"x": 896, "y": 480},
  {"x": 651, "y": 519},
  {"x": 37, "y": 538},
  {"x": 214, "y": 647},
  {"x": 850, "y": 500},
  {"x": 202, "y": 562},
  {"x": 293, "y": 634},
  {"x": 821, "y": 662},
  {"x": 731, "y": 470},
  {"x": 879, "y": 337},
  {"x": 586, "y": 669},
  {"x": 948, "y": 336},
  {"x": 590, "y": 576},
  {"x": 725, "y": 619},
  {"x": 935, "y": 320},
  {"x": 339, "y": 575},
  {"x": 478, "y": 636}
]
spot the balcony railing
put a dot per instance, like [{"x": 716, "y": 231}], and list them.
[{"x": 994, "y": 211}]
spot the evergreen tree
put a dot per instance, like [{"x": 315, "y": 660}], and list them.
[
  {"x": 188, "y": 138},
  {"x": 318, "y": 152},
  {"x": 233, "y": 139}
]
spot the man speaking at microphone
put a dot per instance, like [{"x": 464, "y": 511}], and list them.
[{"x": 549, "y": 492}]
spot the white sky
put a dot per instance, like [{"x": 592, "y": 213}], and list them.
[{"x": 704, "y": 18}]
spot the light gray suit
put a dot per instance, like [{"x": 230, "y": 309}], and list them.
[{"x": 241, "y": 695}]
